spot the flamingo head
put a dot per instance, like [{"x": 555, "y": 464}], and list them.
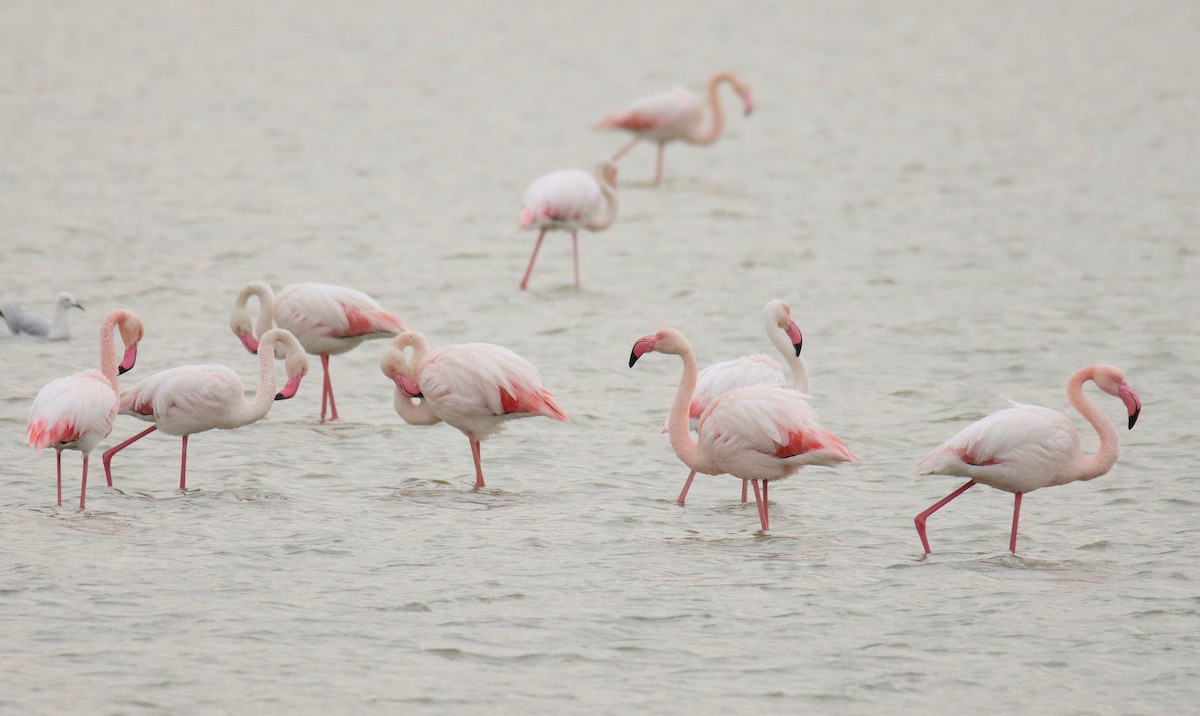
[
  {"x": 1111, "y": 380},
  {"x": 396, "y": 364},
  {"x": 743, "y": 91},
  {"x": 780, "y": 314},
  {"x": 295, "y": 362},
  {"x": 668, "y": 340},
  {"x": 239, "y": 323},
  {"x": 130, "y": 327},
  {"x": 606, "y": 171}
]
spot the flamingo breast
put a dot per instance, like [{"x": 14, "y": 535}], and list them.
[{"x": 75, "y": 411}]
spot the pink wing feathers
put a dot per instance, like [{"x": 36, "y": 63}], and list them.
[
  {"x": 674, "y": 113},
  {"x": 313, "y": 309},
  {"x": 570, "y": 196},
  {"x": 79, "y": 407}
]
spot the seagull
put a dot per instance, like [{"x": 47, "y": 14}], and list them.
[{"x": 57, "y": 330}]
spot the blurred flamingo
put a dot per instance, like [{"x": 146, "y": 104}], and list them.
[
  {"x": 759, "y": 432},
  {"x": 327, "y": 320},
  {"x": 1025, "y": 447},
  {"x": 675, "y": 115},
  {"x": 475, "y": 387},
  {"x": 569, "y": 200},
  {"x": 77, "y": 412},
  {"x": 190, "y": 399},
  {"x": 756, "y": 369}
]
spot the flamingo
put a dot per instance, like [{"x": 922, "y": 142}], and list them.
[
  {"x": 475, "y": 387},
  {"x": 190, "y": 399},
  {"x": 675, "y": 115},
  {"x": 76, "y": 412},
  {"x": 1026, "y": 447},
  {"x": 719, "y": 378},
  {"x": 327, "y": 320},
  {"x": 58, "y": 329},
  {"x": 758, "y": 432},
  {"x": 569, "y": 200}
]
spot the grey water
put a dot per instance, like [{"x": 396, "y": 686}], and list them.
[{"x": 962, "y": 202}]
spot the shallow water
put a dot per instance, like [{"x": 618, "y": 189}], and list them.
[{"x": 962, "y": 203}]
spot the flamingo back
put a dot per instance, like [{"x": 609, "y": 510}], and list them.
[
  {"x": 329, "y": 319},
  {"x": 564, "y": 199},
  {"x": 668, "y": 115},
  {"x": 187, "y": 399},
  {"x": 74, "y": 411}
]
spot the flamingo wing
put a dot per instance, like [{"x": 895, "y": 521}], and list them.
[
  {"x": 720, "y": 378},
  {"x": 331, "y": 311},
  {"x": 75, "y": 408},
  {"x": 671, "y": 114},
  {"x": 570, "y": 196},
  {"x": 185, "y": 399}
]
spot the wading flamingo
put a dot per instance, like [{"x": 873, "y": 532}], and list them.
[
  {"x": 190, "y": 399},
  {"x": 569, "y": 200},
  {"x": 327, "y": 320},
  {"x": 59, "y": 329},
  {"x": 77, "y": 412},
  {"x": 756, "y": 369},
  {"x": 475, "y": 387},
  {"x": 675, "y": 115},
  {"x": 1025, "y": 447},
  {"x": 758, "y": 433}
]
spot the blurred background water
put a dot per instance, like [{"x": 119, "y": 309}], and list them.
[{"x": 962, "y": 202}]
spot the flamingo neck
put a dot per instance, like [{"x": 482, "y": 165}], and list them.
[
  {"x": 605, "y": 219},
  {"x": 266, "y": 306},
  {"x": 251, "y": 411},
  {"x": 685, "y": 446},
  {"x": 717, "y": 125},
  {"x": 795, "y": 363},
  {"x": 108, "y": 356},
  {"x": 1092, "y": 466}
]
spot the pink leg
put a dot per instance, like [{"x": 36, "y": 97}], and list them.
[
  {"x": 183, "y": 466},
  {"x": 107, "y": 457},
  {"x": 762, "y": 506},
  {"x": 533, "y": 257},
  {"x": 920, "y": 519},
  {"x": 745, "y": 489},
  {"x": 659, "y": 166},
  {"x": 327, "y": 390},
  {"x": 83, "y": 482},
  {"x": 58, "y": 454},
  {"x": 1012, "y": 541},
  {"x": 625, "y": 149},
  {"x": 686, "y": 486},
  {"x": 478, "y": 467},
  {"x": 575, "y": 249}
]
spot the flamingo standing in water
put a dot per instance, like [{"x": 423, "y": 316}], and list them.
[
  {"x": 569, "y": 200},
  {"x": 719, "y": 378},
  {"x": 327, "y": 320},
  {"x": 77, "y": 412},
  {"x": 760, "y": 433},
  {"x": 190, "y": 399},
  {"x": 675, "y": 115},
  {"x": 475, "y": 387},
  {"x": 1025, "y": 447}
]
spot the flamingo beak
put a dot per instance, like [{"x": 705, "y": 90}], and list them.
[
  {"x": 289, "y": 388},
  {"x": 408, "y": 386},
  {"x": 643, "y": 346},
  {"x": 249, "y": 341},
  {"x": 1132, "y": 403},
  {"x": 795, "y": 337},
  {"x": 129, "y": 359}
]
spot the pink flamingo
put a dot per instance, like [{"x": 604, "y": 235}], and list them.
[
  {"x": 77, "y": 412},
  {"x": 569, "y": 200},
  {"x": 327, "y": 320},
  {"x": 759, "y": 432},
  {"x": 675, "y": 115},
  {"x": 475, "y": 387},
  {"x": 719, "y": 378},
  {"x": 190, "y": 399},
  {"x": 1025, "y": 447}
]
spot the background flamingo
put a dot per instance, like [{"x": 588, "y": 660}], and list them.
[
  {"x": 77, "y": 412},
  {"x": 569, "y": 200},
  {"x": 759, "y": 433},
  {"x": 193, "y": 398},
  {"x": 475, "y": 387},
  {"x": 1022, "y": 448},
  {"x": 327, "y": 320},
  {"x": 757, "y": 369},
  {"x": 59, "y": 329},
  {"x": 675, "y": 115}
]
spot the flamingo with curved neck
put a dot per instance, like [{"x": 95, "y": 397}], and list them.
[
  {"x": 569, "y": 200},
  {"x": 191, "y": 399},
  {"x": 676, "y": 115},
  {"x": 1027, "y": 447},
  {"x": 759, "y": 433},
  {"x": 76, "y": 412}
]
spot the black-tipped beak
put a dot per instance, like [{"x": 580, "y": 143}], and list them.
[
  {"x": 797, "y": 346},
  {"x": 1133, "y": 418},
  {"x": 122, "y": 370},
  {"x": 632, "y": 358},
  {"x": 281, "y": 396}
]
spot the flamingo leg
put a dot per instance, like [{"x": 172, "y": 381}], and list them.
[
  {"x": 327, "y": 390},
  {"x": 745, "y": 489},
  {"x": 183, "y": 466},
  {"x": 920, "y": 519},
  {"x": 762, "y": 507},
  {"x": 659, "y": 165},
  {"x": 1012, "y": 540},
  {"x": 478, "y": 468},
  {"x": 58, "y": 454},
  {"x": 533, "y": 257},
  {"x": 575, "y": 249},
  {"x": 83, "y": 482},
  {"x": 686, "y": 486},
  {"x": 107, "y": 457},
  {"x": 625, "y": 149}
]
